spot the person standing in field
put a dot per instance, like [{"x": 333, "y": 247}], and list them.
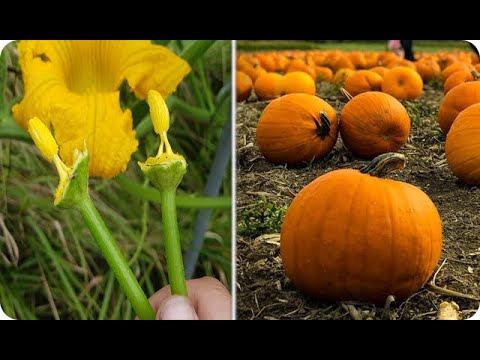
[{"x": 407, "y": 46}]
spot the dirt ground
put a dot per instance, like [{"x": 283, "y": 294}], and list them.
[{"x": 264, "y": 192}]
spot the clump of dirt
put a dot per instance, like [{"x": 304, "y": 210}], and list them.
[{"x": 264, "y": 192}]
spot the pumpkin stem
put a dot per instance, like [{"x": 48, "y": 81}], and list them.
[
  {"x": 323, "y": 129},
  {"x": 384, "y": 164},
  {"x": 476, "y": 75},
  {"x": 346, "y": 94}
]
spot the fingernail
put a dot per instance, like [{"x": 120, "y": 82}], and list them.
[{"x": 177, "y": 308}]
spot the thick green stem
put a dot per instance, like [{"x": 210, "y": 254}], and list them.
[
  {"x": 173, "y": 249},
  {"x": 115, "y": 259}
]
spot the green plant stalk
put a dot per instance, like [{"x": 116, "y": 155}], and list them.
[
  {"x": 115, "y": 260},
  {"x": 182, "y": 201},
  {"x": 173, "y": 249},
  {"x": 13, "y": 132},
  {"x": 195, "y": 50}
]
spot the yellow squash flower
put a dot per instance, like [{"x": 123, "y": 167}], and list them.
[{"x": 73, "y": 85}]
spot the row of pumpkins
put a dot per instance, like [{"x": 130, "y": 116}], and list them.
[
  {"x": 349, "y": 234},
  {"x": 273, "y": 74}
]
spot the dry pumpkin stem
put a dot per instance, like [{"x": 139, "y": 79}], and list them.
[
  {"x": 384, "y": 164},
  {"x": 323, "y": 126},
  {"x": 345, "y": 93}
]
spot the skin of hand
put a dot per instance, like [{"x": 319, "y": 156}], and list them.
[{"x": 207, "y": 299}]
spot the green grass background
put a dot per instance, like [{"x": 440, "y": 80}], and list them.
[
  {"x": 50, "y": 266},
  {"x": 349, "y": 45}
]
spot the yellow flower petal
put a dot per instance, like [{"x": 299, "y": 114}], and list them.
[
  {"x": 43, "y": 139},
  {"x": 98, "y": 121},
  {"x": 158, "y": 112},
  {"x": 73, "y": 84}
]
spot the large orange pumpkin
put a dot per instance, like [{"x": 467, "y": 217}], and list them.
[
  {"x": 297, "y": 128},
  {"x": 457, "y": 100},
  {"x": 244, "y": 86},
  {"x": 462, "y": 147},
  {"x": 402, "y": 83},
  {"x": 269, "y": 86},
  {"x": 374, "y": 123},
  {"x": 350, "y": 235},
  {"x": 362, "y": 81},
  {"x": 298, "y": 82}
]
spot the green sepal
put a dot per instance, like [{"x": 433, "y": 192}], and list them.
[
  {"x": 76, "y": 186},
  {"x": 165, "y": 176}
]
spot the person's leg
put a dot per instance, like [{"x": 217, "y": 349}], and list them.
[{"x": 407, "y": 46}]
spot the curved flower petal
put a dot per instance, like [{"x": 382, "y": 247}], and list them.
[
  {"x": 73, "y": 85},
  {"x": 99, "y": 121}
]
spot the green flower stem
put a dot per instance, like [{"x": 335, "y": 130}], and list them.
[
  {"x": 173, "y": 249},
  {"x": 182, "y": 201},
  {"x": 197, "y": 113},
  {"x": 115, "y": 259}
]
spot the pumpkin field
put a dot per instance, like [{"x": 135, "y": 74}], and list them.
[{"x": 358, "y": 178}]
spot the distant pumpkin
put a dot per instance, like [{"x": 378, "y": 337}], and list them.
[
  {"x": 428, "y": 69},
  {"x": 342, "y": 75},
  {"x": 269, "y": 86},
  {"x": 324, "y": 73},
  {"x": 362, "y": 81},
  {"x": 298, "y": 82},
  {"x": 244, "y": 86},
  {"x": 457, "y": 78},
  {"x": 403, "y": 83}
]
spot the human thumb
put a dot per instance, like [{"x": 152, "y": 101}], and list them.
[{"x": 176, "y": 307}]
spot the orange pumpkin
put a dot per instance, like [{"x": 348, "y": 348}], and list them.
[
  {"x": 462, "y": 147},
  {"x": 380, "y": 70},
  {"x": 244, "y": 86},
  {"x": 267, "y": 62},
  {"x": 342, "y": 75},
  {"x": 298, "y": 82},
  {"x": 324, "y": 73},
  {"x": 449, "y": 70},
  {"x": 374, "y": 123},
  {"x": 254, "y": 72},
  {"x": 403, "y": 83},
  {"x": 428, "y": 69},
  {"x": 342, "y": 61},
  {"x": 362, "y": 81},
  {"x": 350, "y": 235},
  {"x": 299, "y": 65},
  {"x": 297, "y": 128},
  {"x": 269, "y": 86},
  {"x": 457, "y": 100},
  {"x": 402, "y": 63},
  {"x": 457, "y": 78},
  {"x": 358, "y": 60}
]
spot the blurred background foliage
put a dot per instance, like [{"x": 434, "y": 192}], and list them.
[{"x": 50, "y": 266}]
